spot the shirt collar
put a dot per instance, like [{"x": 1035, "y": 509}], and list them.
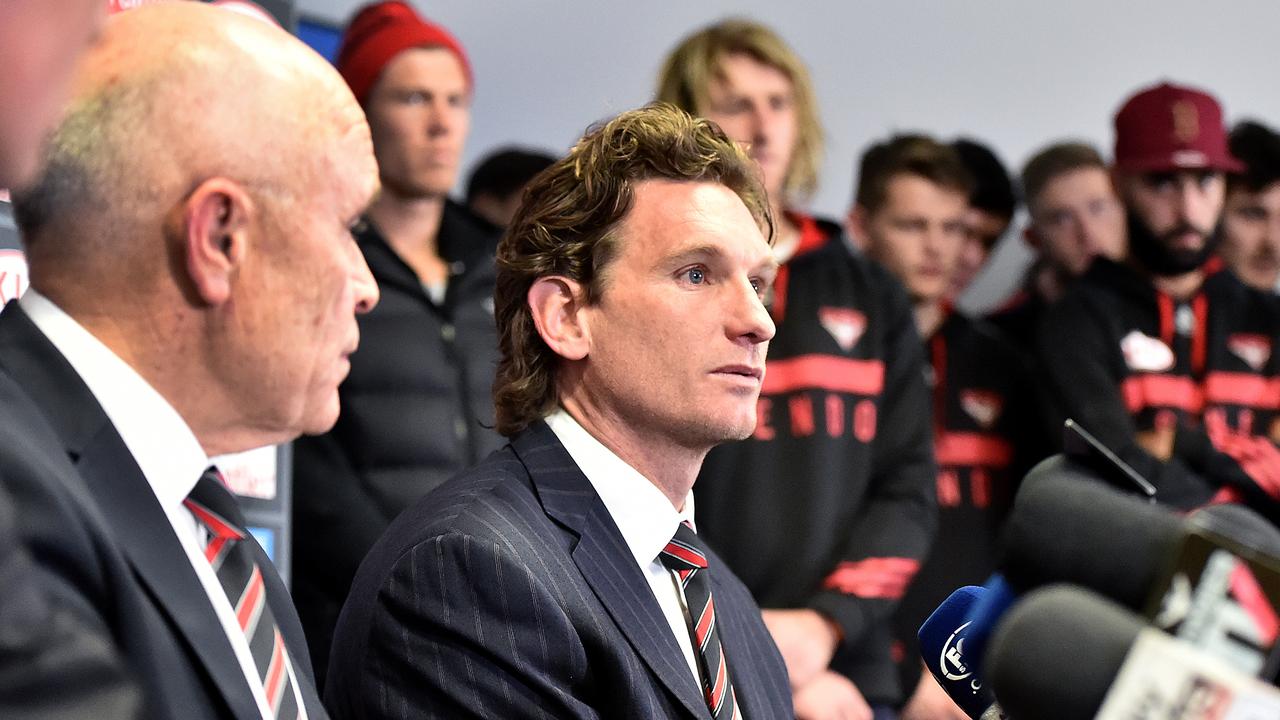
[
  {"x": 160, "y": 441},
  {"x": 645, "y": 517}
]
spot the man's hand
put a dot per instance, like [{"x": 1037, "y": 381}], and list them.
[
  {"x": 830, "y": 696},
  {"x": 931, "y": 702},
  {"x": 1158, "y": 442},
  {"x": 806, "y": 639}
]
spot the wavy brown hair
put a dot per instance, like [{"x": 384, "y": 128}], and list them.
[
  {"x": 567, "y": 226},
  {"x": 688, "y": 71}
]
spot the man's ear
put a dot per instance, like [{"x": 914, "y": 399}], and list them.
[
  {"x": 1031, "y": 237},
  {"x": 216, "y": 218},
  {"x": 856, "y": 227},
  {"x": 558, "y": 306}
]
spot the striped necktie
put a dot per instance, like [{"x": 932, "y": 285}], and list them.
[
  {"x": 685, "y": 557},
  {"x": 241, "y": 578}
]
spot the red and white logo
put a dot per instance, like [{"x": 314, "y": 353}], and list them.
[
  {"x": 846, "y": 326},
  {"x": 984, "y": 406},
  {"x": 1145, "y": 353},
  {"x": 1254, "y": 350}
]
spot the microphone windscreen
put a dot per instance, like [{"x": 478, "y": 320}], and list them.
[
  {"x": 945, "y": 649},
  {"x": 1067, "y": 527},
  {"x": 1057, "y": 652},
  {"x": 1241, "y": 525}
]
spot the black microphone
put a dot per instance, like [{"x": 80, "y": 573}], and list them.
[
  {"x": 1055, "y": 533},
  {"x": 1065, "y": 653},
  {"x": 1209, "y": 589},
  {"x": 1240, "y": 524}
]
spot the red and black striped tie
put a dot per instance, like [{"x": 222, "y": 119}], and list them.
[
  {"x": 241, "y": 578},
  {"x": 685, "y": 557}
]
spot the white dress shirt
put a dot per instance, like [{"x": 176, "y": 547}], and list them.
[
  {"x": 165, "y": 449},
  {"x": 645, "y": 517}
]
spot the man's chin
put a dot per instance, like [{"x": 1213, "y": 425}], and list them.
[
  {"x": 740, "y": 430},
  {"x": 1182, "y": 260},
  {"x": 321, "y": 421}
]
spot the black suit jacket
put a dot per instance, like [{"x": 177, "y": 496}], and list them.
[
  {"x": 91, "y": 519},
  {"x": 510, "y": 593},
  {"x": 57, "y": 658}
]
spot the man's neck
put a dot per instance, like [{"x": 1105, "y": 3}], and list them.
[
  {"x": 160, "y": 348},
  {"x": 786, "y": 236},
  {"x": 929, "y": 315},
  {"x": 1049, "y": 283},
  {"x": 410, "y": 226},
  {"x": 671, "y": 468}
]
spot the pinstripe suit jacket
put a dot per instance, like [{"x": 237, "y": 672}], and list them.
[{"x": 509, "y": 593}]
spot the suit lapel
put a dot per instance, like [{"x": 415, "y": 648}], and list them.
[
  {"x": 115, "y": 482},
  {"x": 606, "y": 563},
  {"x": 145, "y": 535}
]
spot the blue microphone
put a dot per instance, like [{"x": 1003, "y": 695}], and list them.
[{"x": 947, "y": 650}]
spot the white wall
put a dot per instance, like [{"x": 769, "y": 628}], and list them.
[{"x": 1015, "y": 73}]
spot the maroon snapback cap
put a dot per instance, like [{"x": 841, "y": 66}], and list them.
[{"x": 1172, "y": 127}]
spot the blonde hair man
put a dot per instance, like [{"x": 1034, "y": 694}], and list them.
[{"x": 827, "y": 509}]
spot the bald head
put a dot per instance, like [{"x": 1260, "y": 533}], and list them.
[{"x": 194, "y": 215}]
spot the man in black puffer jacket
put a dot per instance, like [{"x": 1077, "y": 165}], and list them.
[{"x": 415, "y": 408}]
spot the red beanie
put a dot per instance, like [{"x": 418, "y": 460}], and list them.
[{"x": 381, "y": 31}]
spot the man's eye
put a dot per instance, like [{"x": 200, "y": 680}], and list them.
[
  {"x": 1161, "y": 182},
  {"x": 695, "y": 275}
]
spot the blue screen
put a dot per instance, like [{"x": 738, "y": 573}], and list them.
[
  {"x": 266, "y": 537},
  {"x": 322, "y": 37}
]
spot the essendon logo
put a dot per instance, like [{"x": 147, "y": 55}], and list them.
[
  {"x": 1254, "y": 350},
  {"x": 845, "y": 326},
  {"x": 983, "y": 406}
]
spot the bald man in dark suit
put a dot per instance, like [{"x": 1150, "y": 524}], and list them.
[{"x": 187, "y": 300}]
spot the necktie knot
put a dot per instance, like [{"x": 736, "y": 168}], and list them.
[
  {"x": 684, "y": 552},
  {"x": 214, "y": 505}
]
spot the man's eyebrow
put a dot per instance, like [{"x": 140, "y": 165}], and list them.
[
  {"x": 697, "y": 252},
  {"x": 712, "y": 252}
]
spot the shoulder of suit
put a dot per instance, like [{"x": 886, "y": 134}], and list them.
[{"x": 485, "y": 501}]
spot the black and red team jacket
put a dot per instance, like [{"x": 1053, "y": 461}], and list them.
[
  {"x": 1124, "y": 359},
  {"x": 987, "y": 434},
  {"x": 830, "y": 504}
]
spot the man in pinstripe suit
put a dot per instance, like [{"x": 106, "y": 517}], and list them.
[{"x": 563, "y": 577}]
